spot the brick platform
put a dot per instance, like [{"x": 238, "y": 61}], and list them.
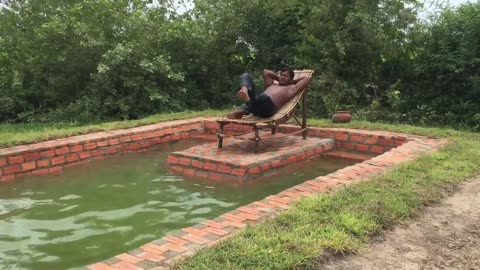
[{"x": 236, "y": 161}]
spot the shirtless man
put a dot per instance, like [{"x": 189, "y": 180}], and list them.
[{"x": 275, "y": 95}]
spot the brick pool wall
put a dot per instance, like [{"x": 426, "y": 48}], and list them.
[{"x": 53, "y": 156}]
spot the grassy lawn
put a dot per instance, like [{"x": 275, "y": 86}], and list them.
[
  {"x": 340, "y": 222},
  {"x": 15, "y": 134}
]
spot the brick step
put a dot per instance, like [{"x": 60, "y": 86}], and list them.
[{"x": 339, "y": 154}]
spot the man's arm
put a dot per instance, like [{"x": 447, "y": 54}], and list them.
[
  {"x": 300, "y": 84},
  {"x": 268, "y": 77}
]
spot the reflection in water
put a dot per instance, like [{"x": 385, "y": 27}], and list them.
[{"x": 92, "y": 212}]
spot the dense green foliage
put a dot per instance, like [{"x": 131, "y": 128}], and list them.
[{"x": 90, "y": 60}]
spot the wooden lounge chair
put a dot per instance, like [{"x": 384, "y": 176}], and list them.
[{"x": 282, "y": 116}]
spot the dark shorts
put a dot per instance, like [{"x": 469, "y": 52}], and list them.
[{"x": 262, "y": 106}]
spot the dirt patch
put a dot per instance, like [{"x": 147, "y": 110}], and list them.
[{"x": 446, "y": 236}]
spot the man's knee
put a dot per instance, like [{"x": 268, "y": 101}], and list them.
[{"x": 246, "y": 80}]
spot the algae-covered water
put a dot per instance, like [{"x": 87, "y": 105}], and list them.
[{"x": 98, "y": 210}]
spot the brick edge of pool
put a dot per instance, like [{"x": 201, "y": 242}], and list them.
[{"x": 52, "y": 156}]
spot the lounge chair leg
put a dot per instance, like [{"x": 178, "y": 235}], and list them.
[
  {"x": 257, "y": 138},
  {"x": 220, "y": 136}
]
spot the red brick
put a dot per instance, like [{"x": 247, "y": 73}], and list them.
[
  {"x": 385, "y": 142},
  {"x": 197, "y": 164},
  {"x": 294, "y": 195},
  {"x": 151, "y": 257},
  {"x": 232, "y": 217},
  {"x": 349, "y": 146},
  {"x": 152, "y": 248},
  {"x": 214, "y": 224},
  {"x": 371, "y": 139},
  {"x": 3, "y": 162},
  {"x": 48, "y": 153},
  {"x": 363, "y": 148},
  {"x": 265, "y": 167},
  {"x": 30, "y": 156},
  {"x": 89, "y": 146},
  {"x": 133, "y": 147},
  {"x": 128, "y": 258},
  {"x": 249, "y": 210},
  {"x": 61, "y": 151},
  {"x": 263, "y": 204},
  {"x": 149, "y": 135},
  {"x": 304, "y": 188},
  {"x": 102, "y": 143},
  {"x": 84, "y": 155},
  {"x": 27, "y": 166},
  {"x": 210, "y": 166},
  {"x": 234, "y": 224},
  {"x": 215, "y": 231},
  {"x": 98, "y": 152},
  {"x": 113, "y": 141},
  {"x": 215, "y": 176},
  {"x": 172, "y": 159},
  {"x": 377, "y": 149},
  {"x": 175, "y": 247},
  {"x": 194, "y": 231},
  {"x": 301, "y": 156},
  {"x": 239, "y": 171},
  {"x": 15, "y": 159},
  {"x": 356, "y": 138},
  {"x": 112, "y": 150},
  {"x": 194, "y": 239},
  {"x": 176, "y": 137},
  {"x": 100, "y": 266},
  {"x": 137, "y": 137},
  {"x": 254, "y": 170},
  {"x": 126, "y": 139},
  {"x": 72, "y": 158},
  {"x": 174, "y": 240},
  {"x": 278, "y": 204},
  {"x": 126, "y": 266},
  {"x": 276, "y": 163},
  {"x": 310, "y": 153},
  {"x": 224, "y": 169},
  {"x": 184, "y": 161},
  {"x": 277, "y": 199},
  {"x": 11, "y": 169},
  {"x": 58, "y": 160},
  {"x": 76, "y": 148},
  {"x": 341, "y": 136},
  {"x": 292, "y": 159}
]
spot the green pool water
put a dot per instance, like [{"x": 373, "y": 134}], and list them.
[{"x": 92, "y": 212}]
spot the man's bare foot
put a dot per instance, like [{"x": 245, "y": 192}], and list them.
[
  {"x": 243, "y": 94},
  {"x": 236, "y": 115}
]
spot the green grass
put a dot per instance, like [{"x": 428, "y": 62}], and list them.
[
  {"x": 15, "y": 134},
  {"x": 344, "y": 221},
  {"x": 341, "y": 222}
]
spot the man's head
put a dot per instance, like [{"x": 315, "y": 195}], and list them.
[{"x": 286, "y": 76}]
